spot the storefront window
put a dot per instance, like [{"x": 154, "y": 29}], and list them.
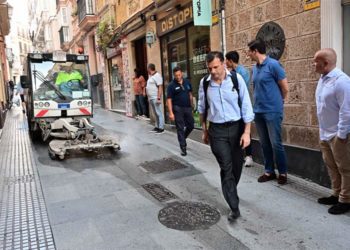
[
  {"x": 186, "y": 48},
  {"x": 118, "y": 94}
]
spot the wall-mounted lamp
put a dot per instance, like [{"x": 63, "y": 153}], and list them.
[
  {"x": 143, "y": 18},
  {"x": 150, "y": 38},
  {"x": 153, "y": 17}
]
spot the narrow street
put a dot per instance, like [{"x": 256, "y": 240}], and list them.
[{"x": 98, "y": 200}]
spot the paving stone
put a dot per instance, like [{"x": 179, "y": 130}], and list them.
[{"x": 22, "y": 197}]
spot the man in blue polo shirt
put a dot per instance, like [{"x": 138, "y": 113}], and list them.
[
  {"x": 179, "y": 102},
  {"x": 270, "y": 91}
]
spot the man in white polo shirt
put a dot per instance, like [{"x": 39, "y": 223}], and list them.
[{"x": 154, "y": 91}]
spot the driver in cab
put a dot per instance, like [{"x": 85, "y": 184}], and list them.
[{"x": 69, "y": 79}]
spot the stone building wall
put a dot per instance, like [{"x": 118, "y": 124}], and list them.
[{"x": 302, "y": 30}]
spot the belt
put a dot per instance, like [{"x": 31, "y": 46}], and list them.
[{"x": 225, "y": 124}]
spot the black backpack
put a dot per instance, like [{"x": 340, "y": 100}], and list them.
[{"x": 206, "y": 85}]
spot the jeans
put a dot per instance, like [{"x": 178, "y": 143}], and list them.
[
  {"x": 224, "y": 143},
  {"x": 157, "y": 109},
  {"x": 269, "y": 126},
  {"x": 184, "y": 123},
  {"x": 140, "y": 104}
]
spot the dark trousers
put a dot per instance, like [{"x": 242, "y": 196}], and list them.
[
  {"x": 140, "y": 104},
  {"x": 248, "y": 150},
  {"x": 224, "y": 142},
  {"x": 184, "y": 123}
]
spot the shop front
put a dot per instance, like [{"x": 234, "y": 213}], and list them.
[
  {"x": 184, "y": 45},
  {"x": 116, "y": 79}
]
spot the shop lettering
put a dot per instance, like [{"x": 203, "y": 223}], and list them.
[
  {"x": 176, "y": 20},
  {"x": 199, "y": 10}
]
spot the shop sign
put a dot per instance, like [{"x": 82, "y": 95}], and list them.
[
  {"x": 175, "y": 20},
  {"x": 273, "y": 36},
  {"x": 201, "y": 12},
  {"x": 311, "y": 4},
  {"x": 110, "y": 52}
]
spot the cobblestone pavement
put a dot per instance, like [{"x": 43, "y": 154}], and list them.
[{"x": 24, "y": 222}]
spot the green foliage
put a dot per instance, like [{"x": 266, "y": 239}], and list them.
[{"x": 104, "y": 33}]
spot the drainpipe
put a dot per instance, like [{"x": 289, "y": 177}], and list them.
[{"x": 222, "y": 25}]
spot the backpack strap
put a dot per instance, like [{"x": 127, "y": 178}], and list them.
[
  {"x": 206, "y": 86},
  {"x": 234, "y": 80}
]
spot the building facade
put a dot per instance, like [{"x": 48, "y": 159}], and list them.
[
  {"x": 5, "y": 16},
  {"x": 304, "y": 26}
]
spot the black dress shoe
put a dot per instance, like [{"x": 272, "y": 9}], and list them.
[
  {"x": 331, "y": 200},
  {"x": 339, "y": 208},
  {"x": 183, "y": 151},
  {"x": 233, "y": 215}
]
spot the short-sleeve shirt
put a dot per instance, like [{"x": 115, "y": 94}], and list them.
[
  {"x": 267, "y": 94},
  {"x": 180, "y": 93},
  {"x": 153, "y": 82}
]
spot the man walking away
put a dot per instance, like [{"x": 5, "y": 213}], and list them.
[
  {"x": 154, "y": 90},
  {"x": 232, "y": 63},
  {"x": 270, "y": 91},
  {"x": 333, "y": 112},
  {"x": 179, "y": 102},
  {"x": 20, "y": 91},
  {"x": 224, "y": 102}
]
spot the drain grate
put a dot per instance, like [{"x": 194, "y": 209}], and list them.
[
  {"x": 163, "y": 165},
  {"x": 188, "y": 216},
  {"x": 159, "y": 192}
]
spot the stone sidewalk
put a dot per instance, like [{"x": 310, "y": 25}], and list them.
[
  {"x": 98, "y": 201},
  {"x": 24, "y": 222}
]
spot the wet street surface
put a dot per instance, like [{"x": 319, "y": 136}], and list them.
[{"x": 146, "y": 196}]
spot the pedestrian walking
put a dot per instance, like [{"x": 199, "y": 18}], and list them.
[
  {"x": 232, "y": 63},
  {"x": 154, "y": 91},
  {"x": 20, "y": 91},
  {"x": 333, "y": 112},
  {"x": 140, "y": 93},
  {"x": 225, "y": 103},
  {"x": 179, "y": 102},
  {"x": 270, "y": 90}
]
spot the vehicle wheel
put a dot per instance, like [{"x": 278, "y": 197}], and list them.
[{"x": 52, "y": 155}]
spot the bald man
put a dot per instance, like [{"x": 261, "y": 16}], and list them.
[{"x": 333, "y": 112}]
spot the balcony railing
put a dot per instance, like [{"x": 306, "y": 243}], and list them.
[
  {"x": 64, "y": 35},
  {"x": 85, "y": 7}
]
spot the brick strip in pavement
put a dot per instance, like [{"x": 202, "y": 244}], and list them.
[{"x": 24, "y": 221}]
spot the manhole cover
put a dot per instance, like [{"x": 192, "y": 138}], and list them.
[
  {"x": 187, "y": 216},
  {"x": 163, "y": 165},
  {"x": 159, "y": 192}
]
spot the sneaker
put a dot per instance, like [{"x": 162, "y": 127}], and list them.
[
  {"x": 160, "y": 131},
  {"x": 233, "y": 215},
  {"x": 339, "y": 208},
  {"x": 137, "y": 117},
  {"x": 248, "y": 162},
  {"x": 143, "y": 117},
  {"x": 282, "y": 179},
  {"x": 267, "y": 177},
  {"x": 154, "y": 130},
  {"x": 331, "y": 200}
]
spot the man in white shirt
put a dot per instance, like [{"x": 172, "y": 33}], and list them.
[
  {"x": 20, "y": 91},
  {"x": 333, "y": 112},
  {"x": 154, "y": 91}
]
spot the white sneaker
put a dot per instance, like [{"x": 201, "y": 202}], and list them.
[
  {"x": 143, "y": 117},
  {"x": 248, "y": 162}
]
